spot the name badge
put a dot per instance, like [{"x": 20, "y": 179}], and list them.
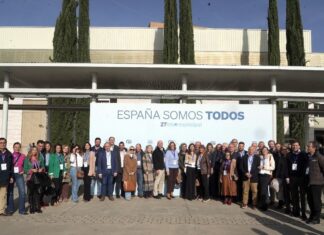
[
  {"x": 85, "y": 164},
  {"x": 3, "y": 166},
  {"x": 294, "y": 167},
  {"x": 307, "y": 170},
  {"x": 16, "y": 169},
  {"x": 174, "y": 162},
  {"x": 138, "y": 163},
  {"x": 225, "y": 172},
  {"x": 61, "y": 167}
]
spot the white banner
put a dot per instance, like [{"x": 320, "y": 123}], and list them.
[{"x": 182, "y": 123}]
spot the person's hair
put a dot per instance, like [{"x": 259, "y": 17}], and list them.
[
  {"x": 121, "y": 142},
  {"x": 169, "y": 146},
  {"x": 294, "y": 142},
  {"x": 16, "y": 144},
  {"x": 64, "y": 146},
  {"x": 54, "y": 150},
  {"x": 314, "y": 144},
  {"x": 111, "y": 137},
  {"x": 181, "y": 145},
  {"x": 264, "y": 148},
  {"x": 210, "y": 144},
  {"x": 29, "y": 154},
  {"x": 241, "y": 142},
  {"x": 40, "y": 142},
  {"x": 77, "y": 145},
  {"x": 192, "y": 144},
  {"x": 85, "y": 145},
  {"x": 49, "y": 143},
  {"x": 2, "y": 138},
  {"x": 148, "y": 146},
  {"x": 97, "y": 138}
]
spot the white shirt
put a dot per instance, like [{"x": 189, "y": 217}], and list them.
[
  {"x": 79, "y": 160},
  {"x": 108, "y": 156},
  {"x": 122, "y": 156}
]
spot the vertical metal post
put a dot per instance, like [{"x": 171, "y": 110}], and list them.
[
  {"x": 184, "y": 87},
  {"x": 5, "y": 109},
  {"x": 94, "y": 86},
  {"x": 274, "y": 110}
]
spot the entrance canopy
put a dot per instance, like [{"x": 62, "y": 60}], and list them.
[{"x": 162, "y": 81}]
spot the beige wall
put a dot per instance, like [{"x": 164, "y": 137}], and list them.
[{"x": 33, "y": 125}]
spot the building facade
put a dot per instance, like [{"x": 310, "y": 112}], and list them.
[{"x": 138, "y": 46}]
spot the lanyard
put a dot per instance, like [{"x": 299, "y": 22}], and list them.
[
  {"x": 174, "y": 155},
  {"x": 3, "y": 155}
]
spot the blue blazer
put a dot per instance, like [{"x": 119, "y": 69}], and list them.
[{"x": 102, "y": 162}]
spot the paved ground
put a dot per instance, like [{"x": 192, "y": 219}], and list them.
[{"x": 151, "y": 216}]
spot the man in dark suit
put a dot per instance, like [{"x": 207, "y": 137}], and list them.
[
  {"x": 297, "y": 164},
  {"x": 107, "y": 170},
  {"x": 118, "y": 178},
  {"x": 241, "y": 152},
  {"x": 6, "y": 167},
  {"x": 250, "y": 173}
]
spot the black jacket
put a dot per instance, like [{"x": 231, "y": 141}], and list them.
[
  {"x": 117, "y": 152},
  {"x": 6, "y": 174},
  {"x": 158, "y": 159},
  {"x": 301, "y": 160},
  {"x": 254, "y": 168},
  {"x": 281, "y": 167},
  {"x": 316, "y": 169}
]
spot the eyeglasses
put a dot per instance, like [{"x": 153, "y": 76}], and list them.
[{"x": 131, "y": 149}]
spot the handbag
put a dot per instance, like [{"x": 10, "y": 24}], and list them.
[
  {"x": 80, "y": 173},
  {"x": 129, "y": 186}
]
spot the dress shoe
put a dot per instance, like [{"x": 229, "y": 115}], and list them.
[
  {"x": 309, "y": 220},
  {"x": 102, "y": 198},
  {"x": 111, "y": 198},
  {"x": 304, "y": 217},
  {"x": 118, "y": 196},
  {"x": 316, "y": 221}
]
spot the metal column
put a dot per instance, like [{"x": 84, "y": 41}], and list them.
[
  {"x": 274, "y": 110},
  {"x": 5, "y": 109}
]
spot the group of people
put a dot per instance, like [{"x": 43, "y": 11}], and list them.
[{"x": 228, "y": 172}]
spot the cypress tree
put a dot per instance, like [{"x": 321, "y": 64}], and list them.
[
  {"x": 84, "y": 38},
  {"x": 68, "y": 126},
  {"x": 170, "y": 47},
  {"x": 295, "y": 57},
  {"x": 274, "y": 57},
  {"x": 81, "y": 118},
  {"x": 187, "y": 50}
]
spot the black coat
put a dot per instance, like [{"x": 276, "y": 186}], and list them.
[
  {"x": 5, "y": 175},
  {"x": 254, "y": 168},
  {"x": 116, "y": 153},
  {"x": 158, "y": 159},
  {"x": 281, "y": 167},
  {"x": 302, "y": 162}
]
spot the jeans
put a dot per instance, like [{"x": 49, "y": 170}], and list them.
[
  {"x": 139, "y": 177},
  {"x": 20, "y": 182},
  {"x": 95, "y": 182},
  {"x": 128, "y": 195},
  {"x": 75, "y": 184},
  {"x": 107, "y": 187}
]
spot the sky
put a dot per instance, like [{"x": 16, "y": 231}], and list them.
[{"x": 138, "y": 13}]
